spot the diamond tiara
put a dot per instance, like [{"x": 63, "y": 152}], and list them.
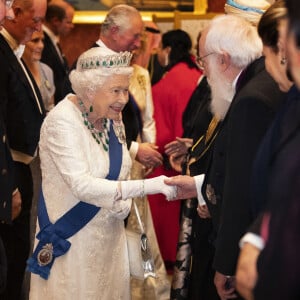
[{"x": 117, "y": 60}]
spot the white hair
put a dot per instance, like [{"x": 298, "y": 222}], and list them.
[
  {"x": 234, "y": 36},
  {"x": 120, "y": 16},
  {"x": 90, "y": 75}
]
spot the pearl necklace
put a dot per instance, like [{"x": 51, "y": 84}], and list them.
[{"x": 100, "y": 136}]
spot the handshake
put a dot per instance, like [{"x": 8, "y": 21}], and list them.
[
  {"x": 157, "y": 185},
  {"x": 177, "y": 187},
  {"x": 140, "y": 188}
]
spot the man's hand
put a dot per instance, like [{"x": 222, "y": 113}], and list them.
[
  {"x": 148, "y": 155},
  {"x": 246, "y": 274},
  {"x": 16, "y": 204},
  {"x": 186, "y": 187},
  {"x": 203, "y": 212},
  {"x": 225, "y": 286},
  {"x": 178, "y": 147},
  {"x": 176, "y": 162}
]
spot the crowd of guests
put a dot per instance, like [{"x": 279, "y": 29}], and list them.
[
  {"x": 80, "y": 143},
  {"x": 249, "y": 167}
]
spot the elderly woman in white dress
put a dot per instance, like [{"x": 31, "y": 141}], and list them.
[{"x": 81, "y": 250}]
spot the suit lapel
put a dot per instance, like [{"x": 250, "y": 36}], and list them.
[
  {"x": 253, "y": 69},
  {"x": 15, "y": 65},
  {"x": 51, "y": 48},
  {"x": 248, "y": 74}
]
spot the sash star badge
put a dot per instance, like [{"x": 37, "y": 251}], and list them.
[{"x": 45, "y": 255}]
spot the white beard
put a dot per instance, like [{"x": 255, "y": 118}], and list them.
[{"x": 222, "y": 93}]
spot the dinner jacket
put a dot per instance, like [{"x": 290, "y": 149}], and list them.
[
  {"x": 6, "y": 162},
  {"x": 22, "y": 115},
  {"x": 6, "y": 176},
  {"x": 227, "y": 180},
  {"x": 279, "y": 262},
  {"x": 60, "y": 69},
  {"x": 6, "y": 190}
]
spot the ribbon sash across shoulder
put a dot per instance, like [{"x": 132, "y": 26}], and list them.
[{"x": 53, "y": 237}]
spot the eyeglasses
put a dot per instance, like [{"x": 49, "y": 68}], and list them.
[
  {"x": 200, "y": 59},
  {"x": 9, "y": 3}
]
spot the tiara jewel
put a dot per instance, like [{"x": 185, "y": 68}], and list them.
[{"x": 117, "y": 60}]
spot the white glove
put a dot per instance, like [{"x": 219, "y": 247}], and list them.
[
  {"x": 140, "y": 188},
  {"x": 121, "y": 209},
  {"x": 156, "y": 185}
]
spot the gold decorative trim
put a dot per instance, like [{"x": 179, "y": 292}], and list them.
[{"x": 97, "y": 17}]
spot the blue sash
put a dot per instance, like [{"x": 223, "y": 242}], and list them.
[{"x": 53, "y": 237}]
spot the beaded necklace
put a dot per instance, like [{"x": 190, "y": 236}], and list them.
[{"x": 100, "y": 136}]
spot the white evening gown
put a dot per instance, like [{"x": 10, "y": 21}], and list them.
[{"x": 73, "y": 168}]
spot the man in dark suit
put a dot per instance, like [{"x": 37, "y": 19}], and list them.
[
  {"x": 8, "y": 189},
  {"x": 58, "y": 22},
  {"x": 122, "y": 30},
  {"x": 10, "y": 200},
  {"x": 234, "y": 72},
  {"x": 23, "y": 115}
]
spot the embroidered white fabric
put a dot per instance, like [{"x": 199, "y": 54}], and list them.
[
  {"x": 73, "y": 168},
  {"x": 140, "y": 88}
]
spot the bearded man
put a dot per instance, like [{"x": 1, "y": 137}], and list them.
[
  {"x": 237, "y": 71},
  {"x": 246, "y": 98}
]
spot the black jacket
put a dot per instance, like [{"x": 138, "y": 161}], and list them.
[
  {"x": 227, "y": 181},
  {"x": 60, "y": 69}
]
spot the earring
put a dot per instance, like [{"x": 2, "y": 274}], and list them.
[
  {"x": 91, "y": 108},
  {"x": 166, "y": 60},
  {"x": 283, "y": 61}
]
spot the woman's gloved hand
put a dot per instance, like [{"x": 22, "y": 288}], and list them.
[{"x": 140, "y": 188}]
